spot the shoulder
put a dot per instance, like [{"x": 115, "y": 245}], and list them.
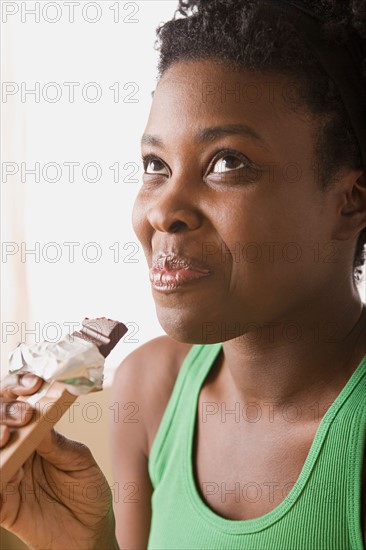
[
  {"x": 146, "y": 378},
  {"x": 139, "y": 394}
]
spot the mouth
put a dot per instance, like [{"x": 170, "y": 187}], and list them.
[{"x": 170, "y": 271}]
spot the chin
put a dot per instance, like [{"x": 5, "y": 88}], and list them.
[{"x": 187, "y": 330}]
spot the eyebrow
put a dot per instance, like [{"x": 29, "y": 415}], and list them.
[{"x": 211, "y": 134}]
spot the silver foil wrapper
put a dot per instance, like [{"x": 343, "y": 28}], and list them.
[{"x": 73, "y": 361}]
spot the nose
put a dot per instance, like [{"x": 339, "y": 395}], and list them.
[{"x": 174, "y": 209}]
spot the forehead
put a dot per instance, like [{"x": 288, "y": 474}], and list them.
[{"x": 192, "y": 95}]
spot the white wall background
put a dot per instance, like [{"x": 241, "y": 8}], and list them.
[{"x": 40, "y": 294}]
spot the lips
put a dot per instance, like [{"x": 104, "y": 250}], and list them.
[{"x": 170, "y": 271}]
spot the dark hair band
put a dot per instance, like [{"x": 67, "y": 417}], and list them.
[{"x": 342, "y": 63}]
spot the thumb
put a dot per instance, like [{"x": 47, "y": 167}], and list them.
[{"x": 64, "y": 453}]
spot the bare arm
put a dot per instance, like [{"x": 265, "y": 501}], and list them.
[
  {"x": 132, "y": 488},
  {"x": 141, "y": 390}
]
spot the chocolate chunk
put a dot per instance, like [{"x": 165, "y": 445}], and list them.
[{"x": 104, "y": 333}]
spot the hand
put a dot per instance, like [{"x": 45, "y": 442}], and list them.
[{"x": 60, "y": 498}]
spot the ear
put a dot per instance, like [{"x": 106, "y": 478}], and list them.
[{"x": 351, "y": 206}]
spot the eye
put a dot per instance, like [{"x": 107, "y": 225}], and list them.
[
  {"x": 232, "y": 167},
  {"x": 154, "y": 166},
  {"x": 228, "y": 162}
]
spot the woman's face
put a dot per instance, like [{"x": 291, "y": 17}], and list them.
[{"x": 230, "y": 183}]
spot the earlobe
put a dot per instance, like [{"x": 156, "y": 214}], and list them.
[{"x": 352, "y": 207}]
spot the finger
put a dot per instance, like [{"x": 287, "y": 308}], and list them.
[
  {"x": 4, "y": 435},
  {"x": 7, "y": 491},
  {"x": 65, "y": 453},
  {"x": 15, "y": 413},
  {"x": 20, "y": 384},
  {"x": 17, "y": 477}
]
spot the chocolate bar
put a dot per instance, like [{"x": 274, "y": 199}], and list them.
[
  {"x": 53, "y": 402},
  {"x": 102, "y": 332}
]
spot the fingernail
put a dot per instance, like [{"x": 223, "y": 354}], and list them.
[
  {"x": 17, "y": 410},
  {"x": 28, "y": 380}
]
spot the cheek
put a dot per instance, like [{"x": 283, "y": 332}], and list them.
[
  {"x": 271, "y": 242},
  {"x": 269, "y": 214},
  {"x": 138, "y": 218}
]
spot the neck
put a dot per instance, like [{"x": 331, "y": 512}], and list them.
[{"x": 306, "y": 358}]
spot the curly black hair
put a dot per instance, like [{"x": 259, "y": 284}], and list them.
[{"x": 240, "y": 32}]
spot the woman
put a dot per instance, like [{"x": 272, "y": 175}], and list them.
[{"x": 252, "y": 214}]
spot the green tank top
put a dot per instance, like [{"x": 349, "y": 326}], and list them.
[{"x": 322, "y": 511}]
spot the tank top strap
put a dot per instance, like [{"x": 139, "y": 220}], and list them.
[{"x": 193, "y": 371}]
